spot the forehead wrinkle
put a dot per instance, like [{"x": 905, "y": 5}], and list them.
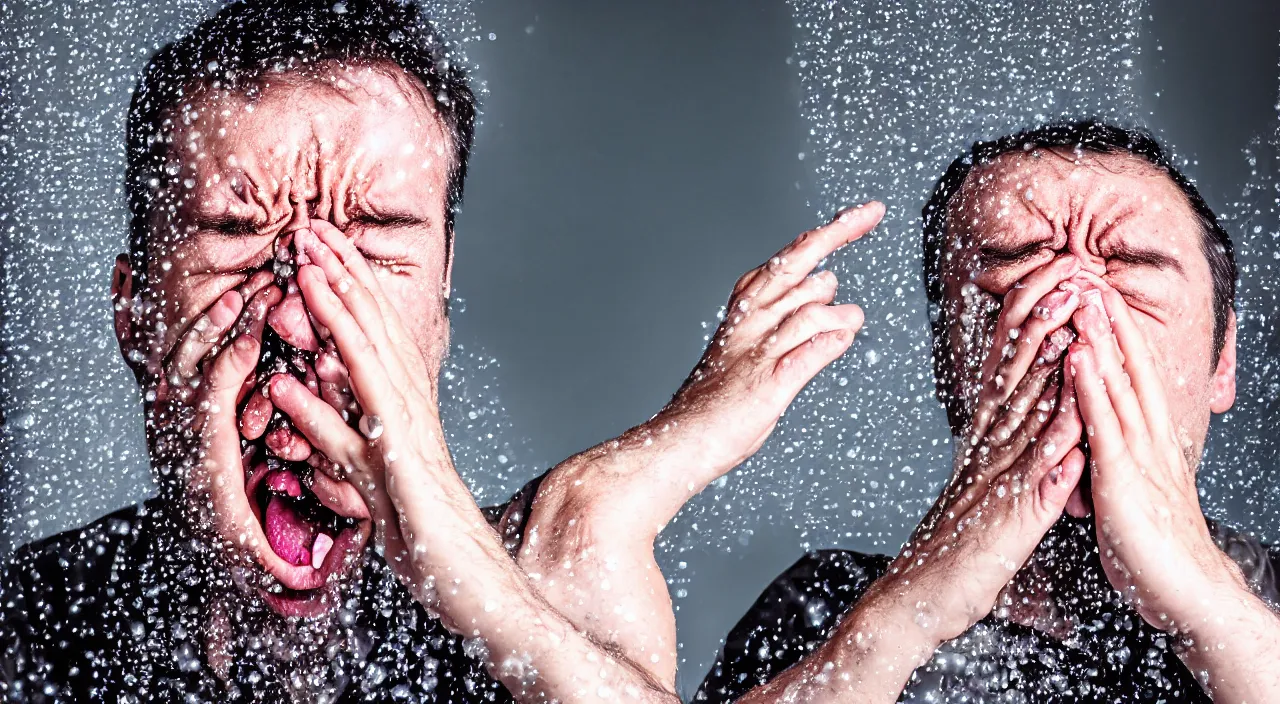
[{"x": 993, "y": 180}]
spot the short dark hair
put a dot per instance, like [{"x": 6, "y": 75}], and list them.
[
  {"x": 1087, "y": 135},
  {"x": 248, "y": 39}
]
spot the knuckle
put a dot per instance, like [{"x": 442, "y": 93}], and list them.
[{"x": 811, "y": 313}]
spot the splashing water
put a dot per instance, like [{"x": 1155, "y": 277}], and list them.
[
  {"x": 892, "y": 94},
  {"x": 72, "y": 440}
]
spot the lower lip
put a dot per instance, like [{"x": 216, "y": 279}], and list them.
[
  {"x": 309, "y": 603},
  {"x": 304, "y": 604}
]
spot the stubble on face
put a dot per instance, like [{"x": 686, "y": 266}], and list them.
[
  {"x": 362, "y": 148},
  {"x": 1125, "y": 220}
]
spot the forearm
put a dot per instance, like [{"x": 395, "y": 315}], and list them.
[
  {"x": 868, "y": 659},
  {"x": 653, "y": 466},
  {"x": 588, "y": 548},
  {"x": 1234, "y": 650},
  {"x": 534, "y": 650}
]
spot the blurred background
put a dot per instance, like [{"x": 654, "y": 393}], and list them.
[{"x": 634, "y": 158}]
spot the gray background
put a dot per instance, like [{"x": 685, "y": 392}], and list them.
[{"x": 634, "y": 159}]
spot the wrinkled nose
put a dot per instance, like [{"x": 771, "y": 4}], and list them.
[{"x": 289, "y": 318}]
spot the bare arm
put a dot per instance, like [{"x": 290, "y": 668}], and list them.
[
  {"x": 589, "y": 540},
  {"x": 435, "y": 537},
  {"x": 868, "y": 658},
  {"x": 1234, "y": 650}
]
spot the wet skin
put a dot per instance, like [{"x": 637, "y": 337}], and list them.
[
  {"x": 358, "y": 150},
  {"x": 1079, "y": 314},
  {"x": 1122, "y": 221}
]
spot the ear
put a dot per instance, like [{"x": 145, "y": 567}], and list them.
[
  {"x": 122, "y": 304},
  {"x": 1223, "y": 394}
]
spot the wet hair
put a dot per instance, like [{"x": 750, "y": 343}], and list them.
[
  {"x": 248, "y": 40},
  {"x": 1089, "y": 136}
]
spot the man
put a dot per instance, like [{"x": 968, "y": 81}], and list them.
[
  {"x": 1082, "y": 315},
  {"x": 293, "y": 173},
  {"x": 1083, "y": 334}
]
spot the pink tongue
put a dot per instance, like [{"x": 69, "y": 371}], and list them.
[
  {"x": 282, "y": 481},
  {"x": 288, "y": 534}
]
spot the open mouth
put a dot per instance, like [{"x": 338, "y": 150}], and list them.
[
  {"x": 315, "y": 527},
  {"x": 314, "y": 546},
  {"x": 300, "y": 530}
]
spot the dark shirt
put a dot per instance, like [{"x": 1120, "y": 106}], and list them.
[
  {"x": 1115, "y": 657},
  {"x": 114, "y": 612}
]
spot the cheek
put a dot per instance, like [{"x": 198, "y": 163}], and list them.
[
  {"x": 419, "y": 301},
  {"x": 1183, "y": 366},
  {"x": 185, "y": 298}
]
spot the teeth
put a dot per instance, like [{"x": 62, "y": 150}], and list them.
[{"x": 320, "y": 549}]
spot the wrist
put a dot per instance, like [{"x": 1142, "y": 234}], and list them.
[
  {"x": 647, "y": 470},
  {"x": 1205, "y": 595},
  {"x": 892, "y": 628},
  {"x": 1225, "y": 614}
]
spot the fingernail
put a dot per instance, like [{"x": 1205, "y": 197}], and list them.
[
  {"x": 1093, "y": 298},
  {"x": 220, "y": 315},
  {"x": 1055, "y": 474},
  {"x": 244, "y": 344}
]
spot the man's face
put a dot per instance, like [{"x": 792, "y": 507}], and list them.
[
  {"x": 362, "y": 150},
  {"x": 1128, "y": 224}
]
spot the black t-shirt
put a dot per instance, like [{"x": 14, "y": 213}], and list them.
[
  {"x": 1115, "y": 657},
  {"x": 115, "y": 612}
]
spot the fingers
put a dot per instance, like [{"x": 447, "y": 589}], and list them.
[
  {"x": 1017, "y": 348},
  {"x": 794, "y": 262},
  {"x": 1139, "y": 363},
  {"x": 207, "y": 332},
  {"x": 1054, "y": 463},
  {"x": 320, "y": 424},
  {"x": 288, "y": 445},
  {"x": 819, "y": 287},
  {"x": 377, "y": 319},
  {"x": 202, "y": 335},
  {"x": 1026, "y": 415},
  {"x": 1022, "y": 299},
  {"x": 369, "y": 380},
  {"x": 355, "y": 263},
  {"x": 354, "y": 294},
  {"x": 1106, "y": 436},
  {"x": 801, "y": 364},
  {"x": 1057, "y": 486},
  {"x": 335, "y": 383},
  {"x": 1095, "y": 335},
  {"x": 813, "y": 319},
  {"x": 254, "y": 318},
  {"x": 225, "y": 377},
  {"x": 255, "y": 416}
]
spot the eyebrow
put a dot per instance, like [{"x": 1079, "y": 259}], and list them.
[
  {"x": 1010, "y": 255},
  {"x": 390, "y": 219},
  {"x": 1142, "y": 256},
  {"x": 229, "y": 224}
]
